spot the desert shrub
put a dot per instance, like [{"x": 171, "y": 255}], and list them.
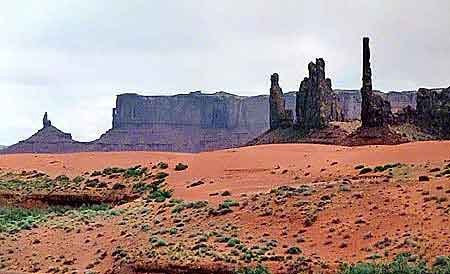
[
  {"x": 92, "y": 183},
  {"x": 400, "y": 265},
  {"x": 385, "y": 167},
  {"x": 160, "y": 175},
  {"x": 96, "y": 173},
  {"x": 112, "y": 170},
  {"x": 445, "y": 172},
  {"x": 226, "y": 193},
  {"x": 180, "y": 167},
  {"x": 118, "y": 186},
  {"x": 162, "y": 165},
  {"x": 365, "y": 170},
  {"x": 62, "y": 178},
  {"x": 255, "y": 270},
  {"x": 294, "y": 250},
  {"x": 228, "y": 204},
  {"x": 359, "y": 167},
  {"x": 157, "y": 242},
  {"x": 13, "y": 220},
  {"x": 180, "y": 206},
  {"x": 141, "y": 187},
  {"x": 160, "y": 195},
  {"x": 78, "y": 179},
  {"x": 136, "y": 171},
  {"x": 233, "y": 241}
]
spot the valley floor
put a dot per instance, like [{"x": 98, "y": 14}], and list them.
[{"x": 289, "y": 207}]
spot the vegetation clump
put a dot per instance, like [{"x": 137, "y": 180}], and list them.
[
  {"x": 12, "y": 220},
  {"x": 255, "y": 270},
  {"x": 365, "y": 170},
  {"x": 400, "y": 265},
  {"x": 136, "y": 171},
  {"x": 180, "y": 167},
  {"x": 162, "y": 165}
]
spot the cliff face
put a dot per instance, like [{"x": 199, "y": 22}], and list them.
[
  {"x": 186, "y": 123},
  {"x": 433, "y": 111},
  {"x": 350, "y": 101},
  {"x": 189, "y": 123}
]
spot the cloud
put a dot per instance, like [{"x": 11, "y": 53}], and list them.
[{"x": 71, "y": 57}]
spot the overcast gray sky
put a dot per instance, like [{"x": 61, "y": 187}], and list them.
[{"x": 71, "y": 58}]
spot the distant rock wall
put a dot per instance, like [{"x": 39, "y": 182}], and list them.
[{"x": 186, "y": 123}]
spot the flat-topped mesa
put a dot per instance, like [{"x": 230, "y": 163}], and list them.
[
  {"x": 45, "y": 121},
  {"x": 316, "y": 103},
  {"x": 375, "y": 111},
  {"x": 279, "y": 116}
]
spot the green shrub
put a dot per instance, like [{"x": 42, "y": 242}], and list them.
[
  {"x": 226, "y": 193},
  {"x": 160, "y": 195},
  {"x": 162, "y": 165},
  {"x": 294, "y": 250},
  {"x": 62, "y": 178},
  {"x": 78, "y": 179},
  {"x": 160, "y": 175},
  {"x": 180, "y": 167},
  {"x": 228, "y": 204},
  {"x": 96, "y": 173},
  {"x": 136, "y": 171},
  {"x": 179, "y": 207},
  {"x": 112, "y": 170},
  {"x": 141, "y": 187},
  {"x": 365, "y": 170},
  {"x": 400, "y": 265},
  {"x": 13, "y": 220},
  {"x": 233, "y": 241},
  {"x": 256, "y": 270}
]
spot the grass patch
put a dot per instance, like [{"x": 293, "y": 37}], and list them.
[
  {"x": 253, "y": 270},
  {"x": 13, "y": 220},
  {"x": 400, "y": 265}
]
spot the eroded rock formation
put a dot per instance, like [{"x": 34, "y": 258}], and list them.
[
  {"x": 433, "y": 111},
  {"x": 375, "y": 111},
  {"x": 317, "y": 104},
  {"x": 45, "y": 121},
  {"x": 186, "y": 123},
  {"x": 49, "y": 139},
  {"x": 279, "y": 116}
]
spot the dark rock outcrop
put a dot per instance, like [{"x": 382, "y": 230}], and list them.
[
  {"x": 375, "y": 111},
  {"x": 49, "y": 139},
  {"x": 317, "y": 104},
  {"x": 279, "y": 116},
  {"x": 45, "y": 121},
  {"x": 433, "y": 111}
]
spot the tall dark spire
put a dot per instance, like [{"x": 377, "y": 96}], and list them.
[
  {"x": 366, "y": 70},
  {"x": 45, "y": 121}
]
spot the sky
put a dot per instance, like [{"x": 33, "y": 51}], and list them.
[{"x": 72, "y": 57}]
